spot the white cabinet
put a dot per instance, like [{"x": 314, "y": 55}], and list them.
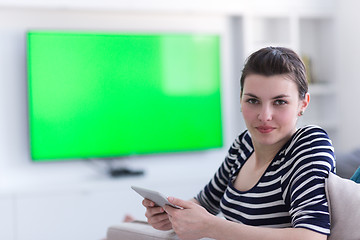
[
  {"x": 7, "y": 217},
  {"x": 83, "y": 207},
  {"x": 72, "y": 215},
  {"x": 86, "y": 213}
]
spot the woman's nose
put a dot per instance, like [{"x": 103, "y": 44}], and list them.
[{"x": 265, "y": 114}]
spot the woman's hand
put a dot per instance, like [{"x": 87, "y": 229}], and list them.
[
  {"x": 156, "y": 216},
  {"x": 191, "y": 222}
]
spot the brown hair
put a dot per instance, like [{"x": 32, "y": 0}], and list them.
[{"x": 271, "y": 61}]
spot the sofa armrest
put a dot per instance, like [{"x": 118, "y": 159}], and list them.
[
  {"x": 343, "y": 197},
  {"x": 138, "y": 230}
]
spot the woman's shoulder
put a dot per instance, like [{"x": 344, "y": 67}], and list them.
[
  {"x": 243, "y": 139},
  {"x": 309, "y": 129},
  {"x": 310, "y": 135},
  {"x": 311, "y": 144},
  {"x": 242, "y": 144}
]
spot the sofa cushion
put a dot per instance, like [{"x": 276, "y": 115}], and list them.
[
  {"x": 344, "y": 203},
  {"x": 356, "y": 176},
  {"x": 138, "y": 230}
]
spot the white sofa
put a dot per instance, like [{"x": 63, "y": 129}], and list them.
[{"x": 344, "y": 201}]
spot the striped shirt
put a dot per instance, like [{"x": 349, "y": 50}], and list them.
[{"x": 291, "y": 192}]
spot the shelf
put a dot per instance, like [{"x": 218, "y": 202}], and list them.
[
  {"x": 321, "y": 89},
  {"x": 316, "y": 43},
  {"x": 328, "y": 125}
]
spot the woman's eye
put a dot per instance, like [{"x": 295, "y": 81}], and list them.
[
  {"x": 280, "y": 102},
  {"x": 252, "y": 101}
]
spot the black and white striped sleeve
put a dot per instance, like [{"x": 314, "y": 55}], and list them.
[{"x": 304, "y": 184}]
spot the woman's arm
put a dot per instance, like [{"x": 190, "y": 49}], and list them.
[
  {"x": 223, "y": 229},
  {"x": 194, "y": 222}
]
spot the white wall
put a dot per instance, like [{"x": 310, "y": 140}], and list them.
[
  {"x": 348, "y": 76},
  {"x": 67, "y": 194},
  {"x": 18, "y": 16},
  {"x": 16, "y": 168}
]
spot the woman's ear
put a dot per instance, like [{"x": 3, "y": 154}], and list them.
[
  {"x": 240, "y": 101},
  {"x": 304, "y": 103}
]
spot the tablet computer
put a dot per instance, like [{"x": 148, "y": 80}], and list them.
[{"x": 156, "y": 197}]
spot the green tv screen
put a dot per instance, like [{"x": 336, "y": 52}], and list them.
[{"x": 100, "y": 95}]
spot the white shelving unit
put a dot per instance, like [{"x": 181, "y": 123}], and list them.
[
  {"x": 311, "y": 36},
  {"x": 317, "y": 44}
]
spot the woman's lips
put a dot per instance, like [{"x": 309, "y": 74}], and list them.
[{"x": 265, "y": 129}]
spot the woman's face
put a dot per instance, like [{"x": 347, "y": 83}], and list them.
[{"x": 271, "y": 107}]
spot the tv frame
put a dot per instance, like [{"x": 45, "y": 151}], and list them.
[{"x": 120, "y": 155}]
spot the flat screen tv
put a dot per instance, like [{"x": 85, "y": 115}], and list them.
[{"x": 108, "y": 95}]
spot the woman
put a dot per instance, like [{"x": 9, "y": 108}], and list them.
[{"x": 271, "y": 184}]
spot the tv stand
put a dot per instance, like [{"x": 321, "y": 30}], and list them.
[
  {"x": 114, "y": 167},
  {"x": 124, "y": 172}
]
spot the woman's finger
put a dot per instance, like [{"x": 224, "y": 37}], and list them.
[
  {"x": 150, "y": 212},
  {"x": 148, "y": 203}
]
